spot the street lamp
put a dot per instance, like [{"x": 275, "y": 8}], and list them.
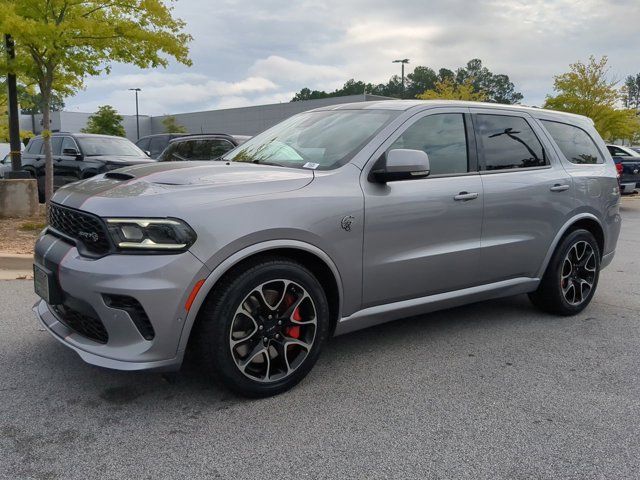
[
  {"x": 137, "y": 116},
  {"x": 403, "y": 62}
]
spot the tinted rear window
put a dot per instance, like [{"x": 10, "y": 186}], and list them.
[
  {"x": 508, "y": 143},
  {"x": 576, "y": 144}
]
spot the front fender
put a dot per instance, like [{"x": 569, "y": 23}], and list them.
[{"x": 236, "y": 258}]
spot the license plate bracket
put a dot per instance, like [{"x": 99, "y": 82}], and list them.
[{"x": 46, "y": 286}]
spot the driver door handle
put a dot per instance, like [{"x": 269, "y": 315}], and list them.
[
  {"x": 559, "y": 187},
  {"x": 465, "y": 196}
]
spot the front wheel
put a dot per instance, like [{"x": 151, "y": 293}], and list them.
[
  {"x": 262, "y": 329},
  {"x": 571, "y": 278}
]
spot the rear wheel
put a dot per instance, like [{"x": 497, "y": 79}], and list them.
[
  {"x": 570, "y": 281},
  {"x": 262, "y": 329}
]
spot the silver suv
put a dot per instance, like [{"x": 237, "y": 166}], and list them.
[{"x": 332, "y": 221}]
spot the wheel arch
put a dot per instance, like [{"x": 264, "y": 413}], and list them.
[
  {"x": 586, "y": 221},
  {"x": 312, "y": 257}
]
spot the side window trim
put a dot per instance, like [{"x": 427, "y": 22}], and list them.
[{"x": 480, "y": 153}]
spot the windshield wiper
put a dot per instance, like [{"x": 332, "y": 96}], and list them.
[{"x": 262, "y": 162}]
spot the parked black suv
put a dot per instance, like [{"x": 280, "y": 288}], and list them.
[
  {"x": 209, "y": 146},
  {"x": 154, "y": 145},
  {"x": 78, "y": 155}
]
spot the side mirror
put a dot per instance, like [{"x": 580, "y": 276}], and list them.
[
  {"x": 147, "y": 152},
  {"x": 402, "y": 164},
  {"x": 71, "y": 152}
]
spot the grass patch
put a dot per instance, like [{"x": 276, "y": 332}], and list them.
[{"x": 32, "y": 226}]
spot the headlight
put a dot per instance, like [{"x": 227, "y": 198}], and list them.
[{"x": 162, "y": 234}]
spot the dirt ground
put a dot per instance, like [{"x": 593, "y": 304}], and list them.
[{"x": 18, "y": 235}]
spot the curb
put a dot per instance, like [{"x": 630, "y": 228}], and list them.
[{"x": 15, "y": 261}]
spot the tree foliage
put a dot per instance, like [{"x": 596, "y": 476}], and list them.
[
  {"x": 60, "y": 42},
  {"x": 631, "y": 91},
  {"x": 449, "y": 89},
  {"x": 587, "y": 90},
  {"x": 496, "y": 87},
  {"x": 171, "y": 125},
  {"x": 106, "y": 121}
]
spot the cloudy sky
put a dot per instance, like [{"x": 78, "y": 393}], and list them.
[{"x": 263, "y": 51}]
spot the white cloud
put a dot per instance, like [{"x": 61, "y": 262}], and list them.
[{"x": 249, "y": 52}]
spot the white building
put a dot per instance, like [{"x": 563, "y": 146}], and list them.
[{"x": 237, "y": 121}]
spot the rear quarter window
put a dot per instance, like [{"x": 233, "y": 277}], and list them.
[{"x": 575, "y": 144}]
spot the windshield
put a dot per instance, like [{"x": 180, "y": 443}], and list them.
[
  {"x": 93, "y": 146},
  {"x": 320, "y": 140}
]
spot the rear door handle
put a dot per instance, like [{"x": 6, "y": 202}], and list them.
[
  {"x": 559, "y": 188},
  {"x": 465, "y": 196}
]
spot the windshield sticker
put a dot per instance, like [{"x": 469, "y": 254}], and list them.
[{"x": 311, "y": 165}]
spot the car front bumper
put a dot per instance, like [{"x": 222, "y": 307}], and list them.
[{"x": 160, "y": 283}]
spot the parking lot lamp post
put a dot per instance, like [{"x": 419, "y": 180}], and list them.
[
  {"x": 402, "y": 62},
  {"x": 14, "y": 122},
  {"x": 137, "y": 115}
]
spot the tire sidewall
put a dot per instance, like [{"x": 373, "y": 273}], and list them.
[{"x": 224, "y": 314}]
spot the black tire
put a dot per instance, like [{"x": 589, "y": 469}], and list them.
[
  {"x": 550, "y": 296},
  {"x": 212, "y": 334}
]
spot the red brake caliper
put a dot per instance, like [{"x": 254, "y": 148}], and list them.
[{"x": 293, "y": 332}]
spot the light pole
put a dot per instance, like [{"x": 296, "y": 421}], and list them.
[
  {"x": 137, "y": 115},
  {"x": 402, "y": 62}
]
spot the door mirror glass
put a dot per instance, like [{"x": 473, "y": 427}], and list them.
[
  {"x": 402, "y": 164},
  {"x": 71, "y": 152}
]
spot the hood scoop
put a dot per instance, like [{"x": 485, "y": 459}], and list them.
[{"x": 119, "y": 176}]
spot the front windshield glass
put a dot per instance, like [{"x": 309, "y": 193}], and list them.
[
  {"x": 320, "y": 140},
  {"x": 93, "y": 146}
]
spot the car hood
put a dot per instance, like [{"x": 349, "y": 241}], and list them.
[
  {"x": 167, "y": 184},
  {"x": 121, "y": 159}
]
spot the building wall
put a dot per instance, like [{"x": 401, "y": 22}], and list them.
[
  {"x": 250, "y": 120},
  {"x": 235, "y": 121}
]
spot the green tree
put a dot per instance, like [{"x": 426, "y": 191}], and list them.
[
  {"x": 171, "y": 125},
  {"x": 420, "y": 80},
  {"x": 587, "y": 90},
  {"x": 631, "y": 92},
  {"x": 106, "y": 121},
  {"x": 498, "y": 87},
  {"x": 60, "y": 42},
  {"x": 31, "y": 102},
  {"x": 449, "y": 89}
]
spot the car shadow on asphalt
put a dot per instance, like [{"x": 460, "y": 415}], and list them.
[{"x": 98, "y": 387}]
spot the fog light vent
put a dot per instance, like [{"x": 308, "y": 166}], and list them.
[{"x": 135, "y": 311}]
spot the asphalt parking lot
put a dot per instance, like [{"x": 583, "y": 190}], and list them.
[{"x": 491, "y": 390}]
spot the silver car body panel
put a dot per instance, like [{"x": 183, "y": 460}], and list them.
[{"x": 409, "y": 247}]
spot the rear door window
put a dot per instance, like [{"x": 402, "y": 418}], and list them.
[
  {"x": 508, "y": 143},
  {"x": 576, "y": 144}
]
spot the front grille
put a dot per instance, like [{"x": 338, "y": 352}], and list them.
[
  {"x": 135, "y": 311},
  {"x": 84, "y": 228},
  {"x": 86, "y": 325}
]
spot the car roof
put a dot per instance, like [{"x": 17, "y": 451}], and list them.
[
  {"x": 405, "y": 105},
  {"x": 201, "y": 136},
  {"x": 172, "y": 134},
  {"x": 80, "y": 135}
]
